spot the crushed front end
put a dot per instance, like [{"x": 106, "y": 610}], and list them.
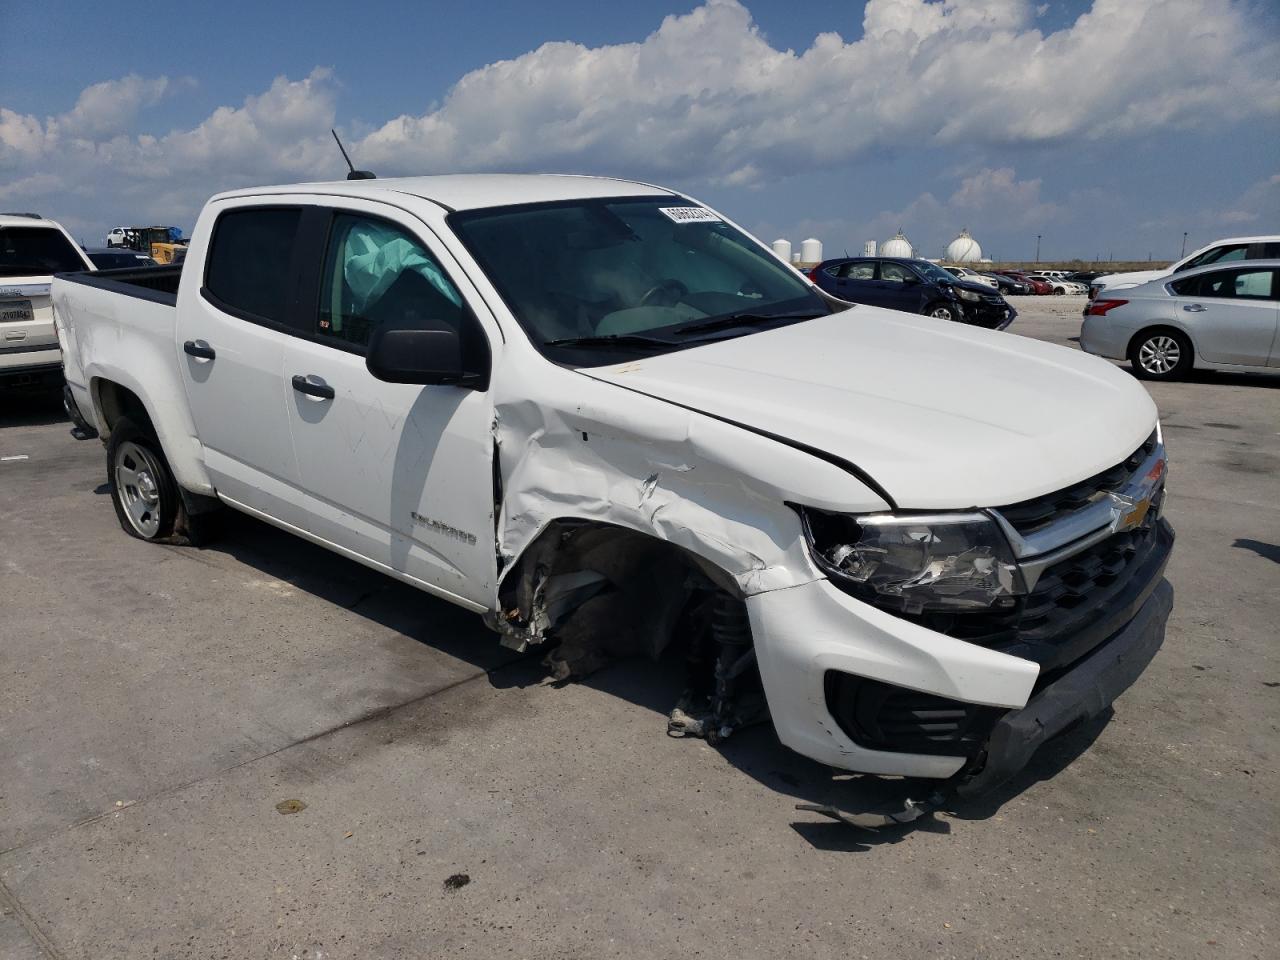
[{"x": 953, "y": 646}]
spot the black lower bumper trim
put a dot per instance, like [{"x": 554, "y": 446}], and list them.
[{"x": 1083, "y": 692}]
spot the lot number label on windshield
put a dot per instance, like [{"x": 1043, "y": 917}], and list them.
[{"x": 690, "y": 214}]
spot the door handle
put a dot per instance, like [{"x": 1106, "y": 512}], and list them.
[
  {"x": 321, "y": 391},
  {"x": 198, "y": 349},
  {"x": 1194, "y": 307}
]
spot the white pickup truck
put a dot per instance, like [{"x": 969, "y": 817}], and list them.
[{"x": 603, "y": 416}]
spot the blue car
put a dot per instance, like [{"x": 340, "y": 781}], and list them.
[{"x": 915, "y": 286}]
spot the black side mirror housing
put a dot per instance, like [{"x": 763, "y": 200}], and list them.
[{"x": 427, "y": 357}]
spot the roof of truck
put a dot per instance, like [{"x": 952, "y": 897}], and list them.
[{"x": 470, "y": 191}]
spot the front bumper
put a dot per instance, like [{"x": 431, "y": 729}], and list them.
[
  {"x": 993, "y": 316},
  {"x": 805, "y": 635}
]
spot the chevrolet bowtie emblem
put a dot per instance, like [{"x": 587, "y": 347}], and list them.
[{"x": 1135, "y": 516}]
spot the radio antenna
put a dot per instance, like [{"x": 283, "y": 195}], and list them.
[{"x": 353, "y": 173}]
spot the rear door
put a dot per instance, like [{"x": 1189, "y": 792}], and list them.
[
  {"x": 231, "y": 334},
  {"x": 399, "y": 474},
  {"x": 1233, "y": 315},
  {"x": 856, "y": 282}
]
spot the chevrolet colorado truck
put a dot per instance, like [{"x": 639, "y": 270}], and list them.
[
  {"x": 32, "y": 249},
  {"x": 609, "y": 420}
]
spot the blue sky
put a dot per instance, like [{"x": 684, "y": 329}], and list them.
[{"x": 1107, "y": 127}]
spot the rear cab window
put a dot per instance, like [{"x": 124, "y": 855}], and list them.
[{"x": 36, "y": 251}]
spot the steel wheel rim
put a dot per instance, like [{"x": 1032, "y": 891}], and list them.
[
  {"x": 941, "y": 313},
  {"x": 1159, "y": 354},
  {"x": 137, "y": 476}
]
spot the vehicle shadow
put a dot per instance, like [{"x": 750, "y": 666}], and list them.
[
  {"x": 30, "y": 407},
  {"x": 1268, "y": 551},
  {"x": 651, "y": 685}
]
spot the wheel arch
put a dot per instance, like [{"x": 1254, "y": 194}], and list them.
[{"x": 1162, "y": 325}]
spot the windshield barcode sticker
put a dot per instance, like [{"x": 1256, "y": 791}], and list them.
[{"x": 690, "y": 214}]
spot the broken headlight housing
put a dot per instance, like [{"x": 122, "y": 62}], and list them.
[
  {"x": 964, "y": 294},
  {"x": 910, "y": 563}
]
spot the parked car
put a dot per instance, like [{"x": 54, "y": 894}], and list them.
[
  {"x": 1220, "y": 251},
  {"x": 597, "y": 412},
  {"x": 1219, "y": 317},
  {"x": 1010, "y": 285},
  {"x": 111, "y": 258},
  {"x": 118, "y": 237},
  {"x": 1085, "y": 277},
  {"x": 32, "y": 249},
  {"x": 1039, "y": 286},
  {"x": 971, "y": 276},
  {"x": 1059, "y": 284},
  {"x": 916, "y": 286}
]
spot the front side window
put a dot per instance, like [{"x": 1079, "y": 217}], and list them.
[
  {"x": 1217, "y": 255},
  {"x": 628, "y": 267},
  {"x": 895, "y": 273},
  {"x": 249, "y": 261},
  {"x": 377, "y": 274},
  {"x": 35, "y": 251}
]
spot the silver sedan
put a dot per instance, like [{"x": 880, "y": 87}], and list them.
[{"x": 1220, "y": 317}]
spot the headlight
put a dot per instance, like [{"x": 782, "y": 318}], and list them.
[
  {"x": 967, "y": 294},
  {"x": 914, "y": 563}
]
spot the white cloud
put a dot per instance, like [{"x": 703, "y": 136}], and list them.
[{"x": 705, "y": 98}]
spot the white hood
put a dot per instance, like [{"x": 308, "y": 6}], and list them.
[{"x": 939, "y": 414}]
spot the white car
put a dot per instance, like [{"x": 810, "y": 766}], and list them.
[
  {"x": 1220, "y": 251},
  {"x": 964, "y": 273},
  {"x": 598, "y": 412},
  {"x": 1057, "y": 279},
  {"x": 118, "y": 237},
  {"x": 32, "y": 249},
  {"x": 1219, "y": 317}
]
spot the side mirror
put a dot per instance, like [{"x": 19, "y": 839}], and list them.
[{"x": 427, "y": 357}]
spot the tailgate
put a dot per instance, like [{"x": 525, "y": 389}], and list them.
[{"x": 26, "y": 322}]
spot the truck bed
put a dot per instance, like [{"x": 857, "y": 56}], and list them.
[{"x": 157, "y": 284}]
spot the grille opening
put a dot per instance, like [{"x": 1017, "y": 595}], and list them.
[{"x": 1039, "y": 512}]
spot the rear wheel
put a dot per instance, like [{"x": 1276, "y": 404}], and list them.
[
  {"x": 1161, "y": 355},
  {"x": 142, "y": 487},
  {"x": 941, "y": 311}
]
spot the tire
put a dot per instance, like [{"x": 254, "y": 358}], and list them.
[
  {"x": 1161, "y": 354},
  {"x": 142, "y": 487},
  {"x": 940, "y": 311}
]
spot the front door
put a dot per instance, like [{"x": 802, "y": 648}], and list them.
[
  {"x": 900, "y": 287},
  {"x": 397, "y": 473}
]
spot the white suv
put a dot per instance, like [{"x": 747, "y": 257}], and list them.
[
  {"x": 32, "y": 250},
  {"x": 1220, "y": 251}
]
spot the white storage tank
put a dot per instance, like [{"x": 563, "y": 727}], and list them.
[
  {"x": 897, "y": 246},
  {"x": 964, "y": 249},
  {"x": 869, "y": 248},
  {"x": 811, "y": 251},
  {"x": 782, "y": 250}
]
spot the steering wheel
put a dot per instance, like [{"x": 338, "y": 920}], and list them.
[{"x": 670, "y": 292}]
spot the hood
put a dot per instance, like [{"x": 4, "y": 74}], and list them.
[
  {"x": 1124, "y": 280},
  {"x": 976, "y": 287},
  {"x": 939, "y": 414}
]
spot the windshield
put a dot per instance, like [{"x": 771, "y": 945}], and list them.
[
  {"x": 629, "y": 268},
  {"x": 34, "y": 251},
  {"x": 931, "y": 271}
]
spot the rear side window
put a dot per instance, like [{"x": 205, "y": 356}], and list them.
[
  {"x": 1229, "y": 285},
  {"x": 249, "y": 261},
  {"x": 376, "y": 273},
  {"x": 858, "y": 271},
  {"x": 34, "y": 251}
]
